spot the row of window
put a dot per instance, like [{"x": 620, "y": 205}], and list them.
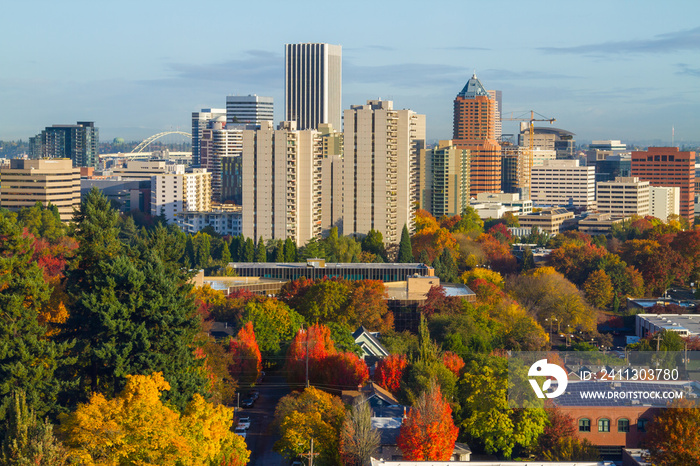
[{"x": 623, "y": 425}]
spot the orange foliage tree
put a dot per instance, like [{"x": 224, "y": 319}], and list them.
[
  {"x": 326, "y": 365},
  {"x": 498, "y": 254},
  {"x": 453, "y": 362},
  {"x": 428, "y": 433},
  {"x": 673, "y": 437},
  {"x": 247, "y": 360},
  {"x": 390, "y": 371}
]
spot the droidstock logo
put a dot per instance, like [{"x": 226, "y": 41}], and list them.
[{"x": 542, "y": 368}]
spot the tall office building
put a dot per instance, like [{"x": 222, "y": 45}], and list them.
[
  {"x": 312, "y": 85},
  {"x": 79, "y": 142},
  {"x": 444, "y": 180},
  {"x": 281, "y": 172},
  {"x": 562, "y": 183},
  {"x": 667, "y": 166},
  {"x": 251, "y": 109},
  {"x": 475, "y": 130},
  {"x": 199, "y": 123},
  {"x": 49, "y": 181},
  {"x": 381, "y": 152},
  {"x": 625, "y": 196},
  {"x": 497, "y": 96}
]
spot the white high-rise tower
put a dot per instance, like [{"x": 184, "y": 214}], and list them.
[{"x": 312, "y": 85}]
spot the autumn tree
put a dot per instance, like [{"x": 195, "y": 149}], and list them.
[
  {"x": 673, "y": 437},
  {"x": 301, "y": 416},
  {"x": 390, "y": 371},
  {"x": 576, "y": 261},
  {"x": 453, "y": 362},
  {"x": 428, "y": 433},
  {"x": 136, "y": 427},
  {"x": 274, "y": 324},
  {"x": 598, "y": 289},
  {"x": 558, "y": 442},
  {"x": 28, "y": 361},
  {"x": 358, "y": 440},
  {"x": 246, "y": 363}
]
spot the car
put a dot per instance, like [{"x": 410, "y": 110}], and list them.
[
  {"x": 296, "y": 463},
  {"x": 248, "y": 402},
  {"x": 244, "y": 422},
  {"x": 254, "y": 394},
  {"x": 240, "y": 431}
]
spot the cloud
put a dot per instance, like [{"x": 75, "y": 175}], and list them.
[
  {"x": 411, "y": 75},
  {"x": 686, "y": 70},
  {"x": 477, "y": 49},
  {"x": 510, "y": 75},
  {"x": 662, "y": 43}
]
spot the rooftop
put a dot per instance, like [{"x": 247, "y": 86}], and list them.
[{"x": 473, "y": 89}]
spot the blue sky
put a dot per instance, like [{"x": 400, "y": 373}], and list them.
[{"x": 626, "y": 70}]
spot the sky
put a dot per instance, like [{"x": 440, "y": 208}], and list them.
[{"x": 627, "y": 70}]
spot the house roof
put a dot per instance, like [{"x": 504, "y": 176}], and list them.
[{"x": 369, "y": 343}]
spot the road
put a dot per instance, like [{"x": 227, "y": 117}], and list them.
[{"x": 260, "y": 438}]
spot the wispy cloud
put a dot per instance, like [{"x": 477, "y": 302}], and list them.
[
  {"x": 476, "y": 49},
  {"x": 686, "y": 70},
  {"x": 662, "y": 43},
  {"x": 510, "y": 75},
  {"x": 414, "y": 75}
]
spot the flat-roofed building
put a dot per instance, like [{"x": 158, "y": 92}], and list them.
[
  {"x": 599, "y": 223},
  {"x": 226, "y": 222},
  {"x": 444, "y": 179},
  {"x": 664, "y": 201},
  {"x": 685, "y": 325},
  {"x": 49, "y": 181},
  {"x": 564, "y": 182},
  {"x": 174, "y": 193},
  {"x": 626, "y": 196},
  {"x": 547, "y": 220}
]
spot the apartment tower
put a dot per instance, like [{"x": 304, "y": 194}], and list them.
[
  {"x": 444, "y": 179},
  {"x": 281, "y": 174},
  {"x": 381, "y": 152},
  {"x": 312, "y": 85},
  {"x": 474, "y": 129},
  {"x": 669, "y": 167},
  {"x": 79, "y": 142},
  {"x": 199, "y": 123}
]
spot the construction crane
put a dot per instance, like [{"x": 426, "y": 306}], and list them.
[{"x": 530, "y": 153}]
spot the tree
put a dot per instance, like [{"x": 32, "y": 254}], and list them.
[
  {"x": 367, "y": 306},
  {"x": 358, "y": 440},
  {"x": 559, "y": 425},
  {"x": 28, "y": 361},
  {"x": 470, "y": 222},
  {"x": 598, "y": 289},
  {"x": 260, "y": 251},
  {"x": 290, "y": 250},
  {"x": 324, "y": 300},
  {"x": 27, "y": 440},
  {"x": 201, "y": 244},
  {"x": 247, "y": 251},
  {"x": 274, "y": 323},
  {"x": 453, "y": 362},
  {"x": 572, "y": 449},
  {"x": 446, "y": 267},
  {"x": 301, "y": 416},
  {"x": 405, "y": 250},
  {"x": 673, "y": 437},
  {"x": 428, "y": 433},
  {"x": 390, "y": 371},
  {"x": 137, "y": 428},
  {"x": 374, "y": 243},
  {"x": 246, "y": 359}
]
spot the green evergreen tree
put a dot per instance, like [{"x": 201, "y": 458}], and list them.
[
  {"x": 450, "y": 269},
  {"x": 405, "y": 249},
  {"x": 131, "y": 313},
  {"x": 202, "y": 250},
  {"x": 290, "y": 250},
  {"x": 27, "y": 440},
  {"x": 28, "y": 360},
  {"x": 235, "y": 247},
  {"x": 279, "y": 251},
  {"x": 261, "y": 251},
  {"x": 189, "y": 252},
  {"x": 616, "y": 303},
  {"x": 528, "y": 259},
  {"x": 248, "y": 250},
  {"x": 374, "y": 243},
  {"x": 423, "y": 257},
  {"x": 225, "y": 251}
]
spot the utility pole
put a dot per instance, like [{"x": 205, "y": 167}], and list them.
[
  {"x": 311, "y": 454},
  {"x": 307, "y": 372}
]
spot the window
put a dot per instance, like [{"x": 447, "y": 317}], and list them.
[
  {"x": 642, "y": 425},
  {"x": 603, "y": 425},
  {"x": 584, "y": 425},
  {"x": 623, "y": 425}
]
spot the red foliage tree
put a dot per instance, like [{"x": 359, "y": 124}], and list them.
[
  {"x": 673, "y": 438},
  {"x": 247, "y": 360},
  {"x": 498, "y": 254},
  {"x": 486, "y": 292},
  {"x": 453, "y": 362},
  {"x": 576, "y": 261},
  {"x": 428, "y": 433},
  {"x": 366, "y": 306},
  {"x": 437, "y": 302},
  {"x": 292, "y": 292},
  {"x": 500, "y": 232},
  {"x": 390, "y": 371},
  {"x": 560, "y": 426}
]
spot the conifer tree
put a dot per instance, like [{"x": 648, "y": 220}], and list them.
[
  {"x": 405, "y": 249},
  {"x": 248, "y": 251},
  {"x": 260, "y": 251}
]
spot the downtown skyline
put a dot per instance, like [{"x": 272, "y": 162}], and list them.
[{"x": 621, "y": 71}]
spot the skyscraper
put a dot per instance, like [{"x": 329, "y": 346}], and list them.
[
  {"x": 444, "y": 180},
  {"x": 667, "y": 166},
  {"x": 475, "y": 130},
  {"x": 249, "y": 109},
  {"x": 79, "y": 142},
  {"x": 312, "y": 85},
  {"x": 199, "y": 123},
  {"x": 380, "y": 159}
]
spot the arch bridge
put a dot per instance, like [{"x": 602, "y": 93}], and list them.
[{"x": 146, "y": 142}]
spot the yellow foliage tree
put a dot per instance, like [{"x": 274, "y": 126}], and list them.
[
  {"x": 485, "y": 274},
  {"x": 137, "y": 428},
  {"x": 598, "y": 289}
]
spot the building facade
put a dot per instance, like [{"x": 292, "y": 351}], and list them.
[
  {"x": 626, "y": 196},
  {"x": 664, "y": 202},
  {"x": 173, "y": 193},
  {"x": 668, "y": 166},
  {"x": 281, "y": 172},
  {"x": 547, "y": 220},
  {"x": 199, "y": 123},
  {"x": 333, "y": 185},
  {"x": 564, "y": 182},
  {"x": 49, "y": 181},
  {"x": 474, "y": 129},
  {"x": 444, "y": 179},
  {"x": 249, "y": 109},
  {"x": 313, "y": 85},
  {"x": 382, "y": 147},
  {"x": 79, "y": 142},
  {"x": 226, "y": 222}
]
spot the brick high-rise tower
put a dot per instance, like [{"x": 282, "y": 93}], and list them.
[
  {"x": 669, "y": 167},
  {"x": 475, "y": 130}
]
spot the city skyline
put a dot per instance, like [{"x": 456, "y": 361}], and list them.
[{"x": 604, "y": 71}]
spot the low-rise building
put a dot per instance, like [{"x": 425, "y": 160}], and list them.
[
  {"x": 226, "y": 222},
  {"x": 548, "y": 220},
  {"x": 599, "y": 224},
  {"x": 626, "y": 196},
  {"x": 564, "y": 182},
  {"x": 685, "y": 325}
]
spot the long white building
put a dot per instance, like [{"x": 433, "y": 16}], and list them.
[
  {"x": 173, "y": 193},
  {"x": 625, "y": 196},
  {"x": 664, "y": 202},
  {"x": 249, "y": 109},
  {"x": 563, "y": 182}
]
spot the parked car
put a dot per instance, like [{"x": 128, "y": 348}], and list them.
[
  {"x": 240, "y": 431},
  {"x": 254, "y": 394},
  {"x": 244, "y": 422},
  {"x": 248, "y": 402}
]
